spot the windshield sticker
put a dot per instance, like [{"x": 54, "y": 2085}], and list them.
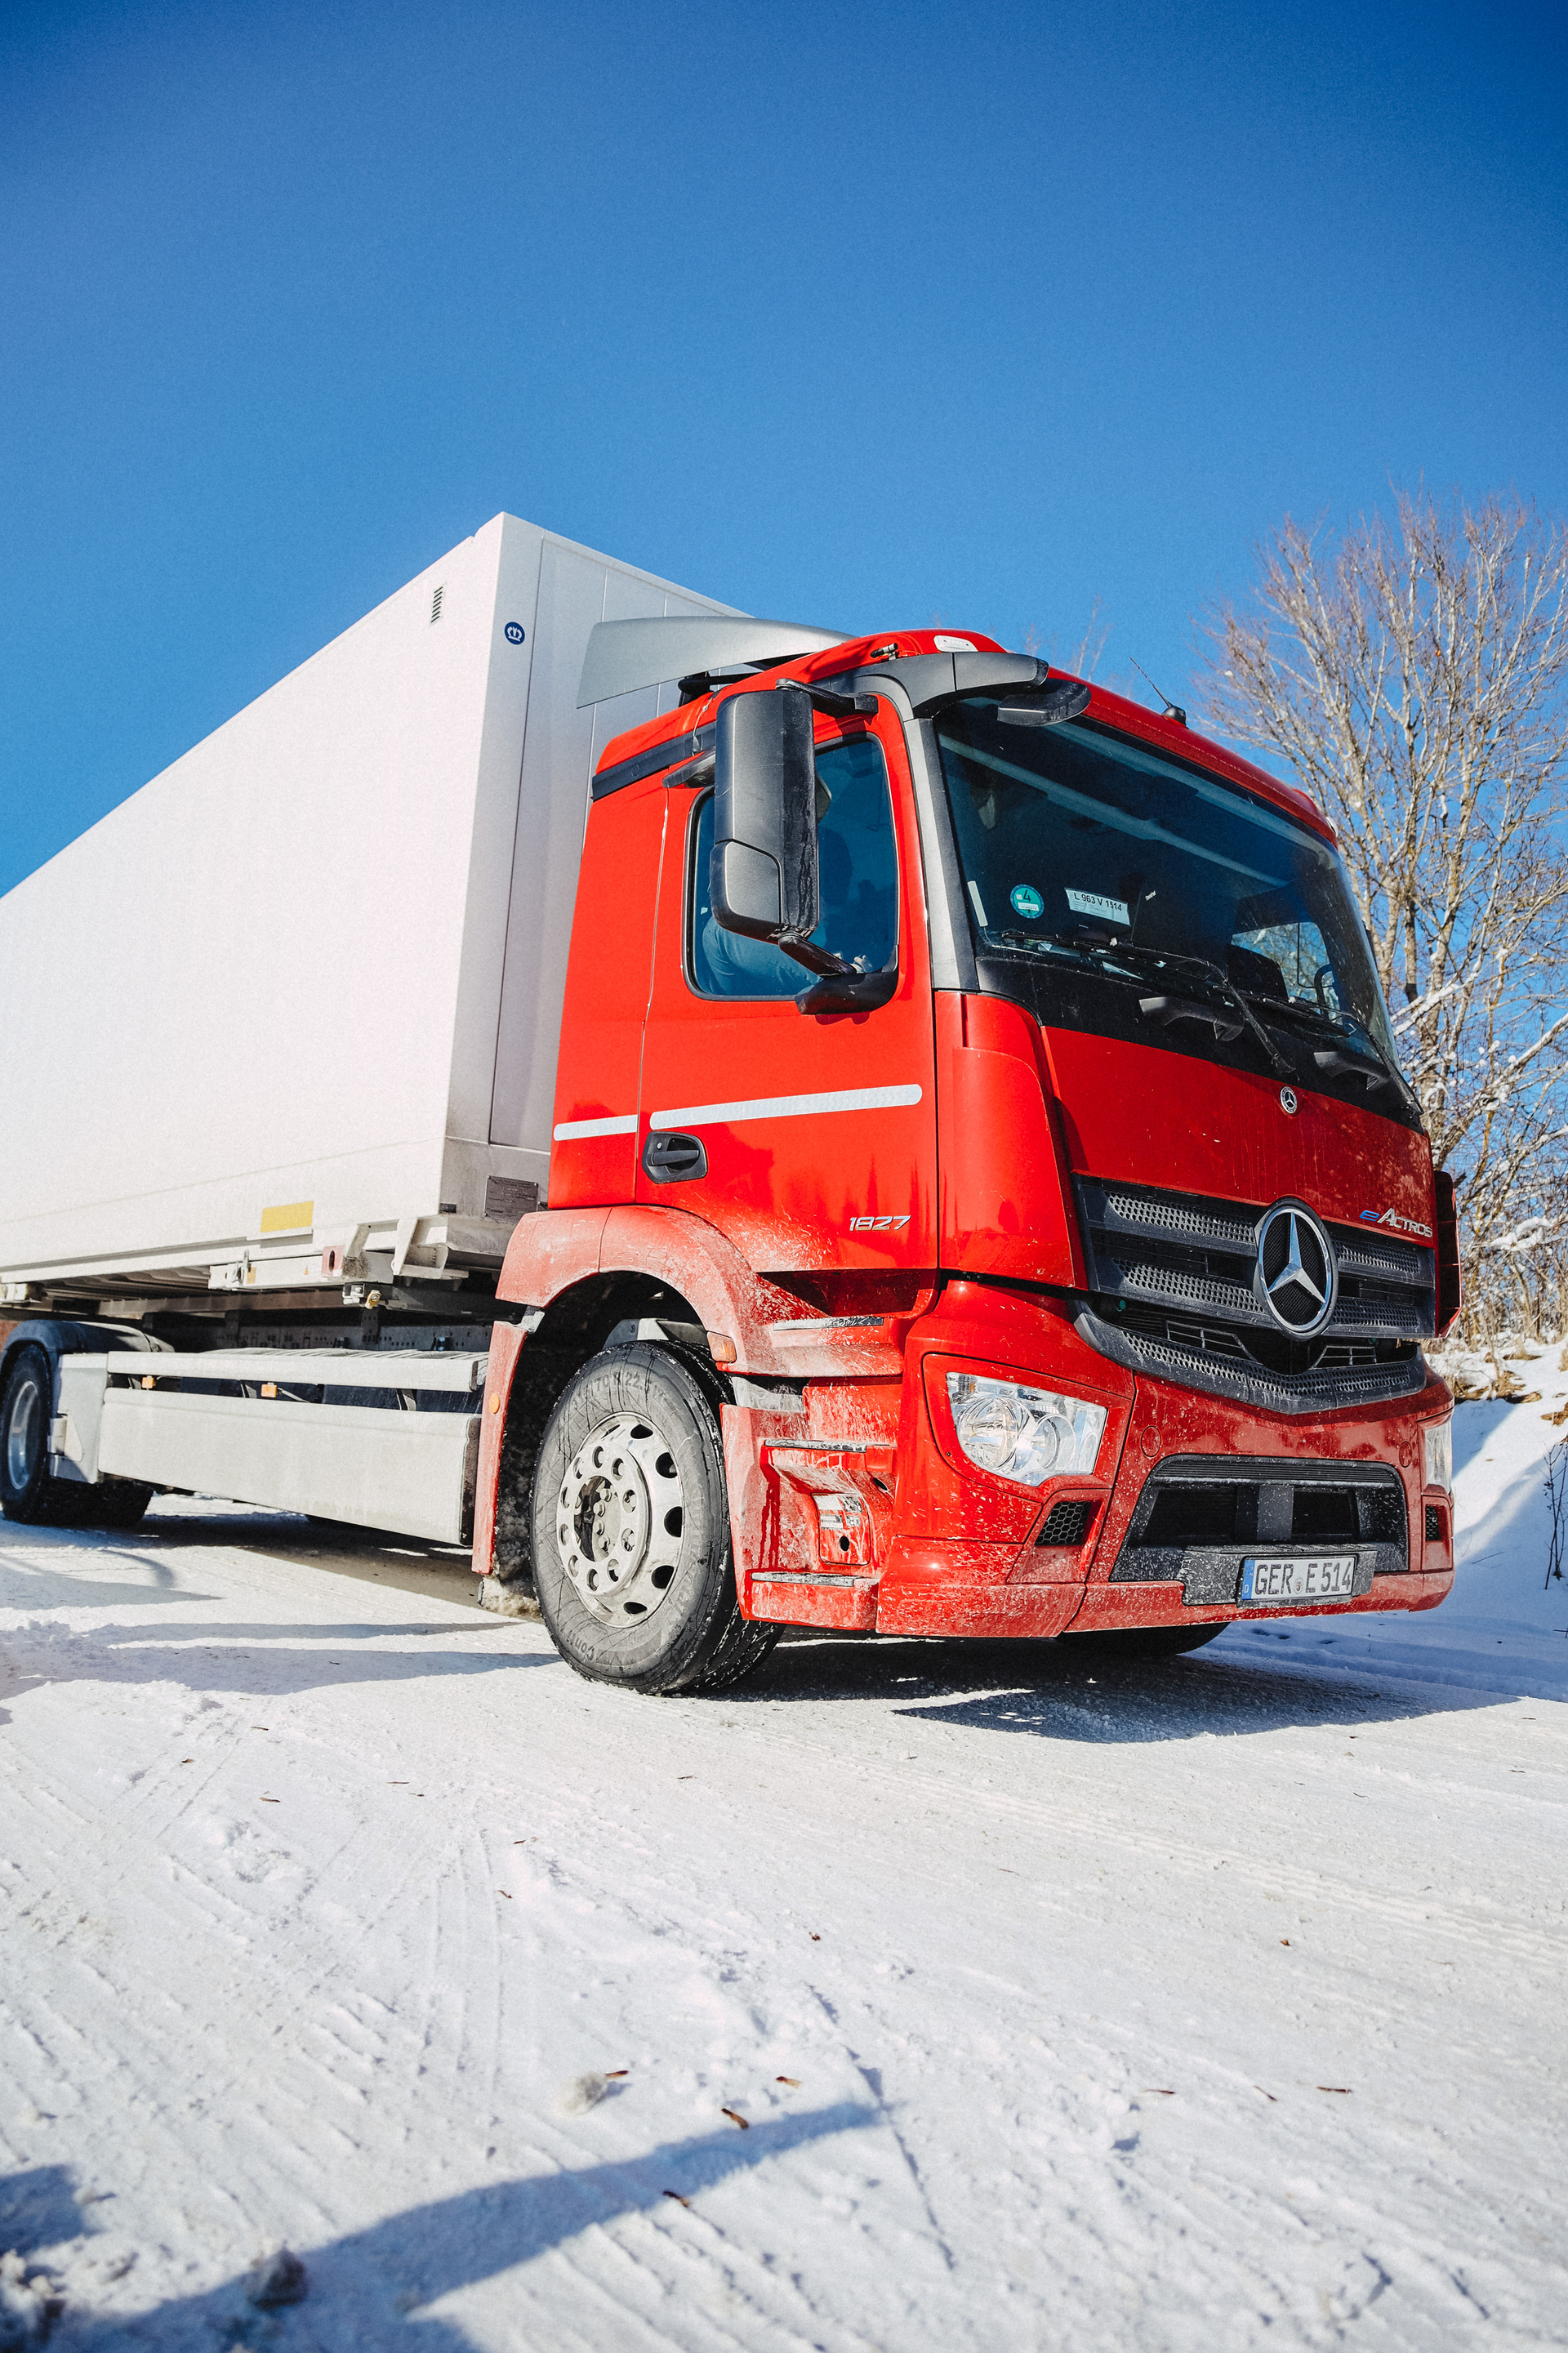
[
  {"x": 1028, "y": 902},
  {"x": 1090, "y": 902},
  {"x": 979, "y": 906}
]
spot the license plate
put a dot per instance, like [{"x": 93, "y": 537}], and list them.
[{"x": 1328, "y": 1576}]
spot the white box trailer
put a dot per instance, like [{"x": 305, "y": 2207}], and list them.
[
  {"x": 288, "y": 1016},
  {"x": 280, "y": 1039}
]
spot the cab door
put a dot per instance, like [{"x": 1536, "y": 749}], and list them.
[{"x": 810, "y": 1139}]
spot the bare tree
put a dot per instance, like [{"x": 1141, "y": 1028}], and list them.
[
  {"x": 1089, "y": 652},
  {"x": 1414, "y": 676}
]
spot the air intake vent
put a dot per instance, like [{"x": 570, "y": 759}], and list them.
[
  {"x": 1200, "y": 1516},
  {"x": 435, "y": 602},
  {"x": 1434, "y": 1524},
  {"x": 1067, "y": 1522}
]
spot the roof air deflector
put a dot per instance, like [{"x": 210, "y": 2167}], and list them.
[{"x": 623, "y": 656}]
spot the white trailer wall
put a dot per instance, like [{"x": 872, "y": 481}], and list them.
[{"x": 320, "y": 960}]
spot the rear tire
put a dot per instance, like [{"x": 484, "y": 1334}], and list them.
[
  {"x": 631, "y": 1529},
  {"x": 29, "y": 1491},
  {"x": 26, "y": 1491},
  {"x": 113, "y": 1503},
  {"x": 1147, "y": 1641}
]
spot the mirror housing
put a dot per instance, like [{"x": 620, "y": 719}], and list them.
[{"x": 763, "y": 876}]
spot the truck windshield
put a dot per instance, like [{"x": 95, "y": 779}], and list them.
[{"x": 1080, "y": 847}]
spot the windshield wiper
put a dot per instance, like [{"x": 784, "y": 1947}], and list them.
[
  {"x": 1229, "y": 991},
  {"x": 1037, "y": 942},
  {"x": 1219, "y": 978},
  {"x": 1373, "y": 1072},
  {"x": 1102, "y": 952}
]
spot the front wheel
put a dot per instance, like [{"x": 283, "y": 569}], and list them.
[{"x": 631, "y": 1530}]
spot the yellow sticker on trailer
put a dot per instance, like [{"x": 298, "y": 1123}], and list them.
[{"x": 289, "y": 1217}]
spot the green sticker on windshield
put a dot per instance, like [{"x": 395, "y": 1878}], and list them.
[{"x": 1028, "y": 902}]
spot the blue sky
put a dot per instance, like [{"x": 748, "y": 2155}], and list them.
[{"x": 859, "y": 315}]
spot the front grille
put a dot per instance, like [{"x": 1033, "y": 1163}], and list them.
[
  {"x": 1067, "y": 1523},
  {"x": 1172, "y": 1293},
  {"x": 1200, "y": 1516}
]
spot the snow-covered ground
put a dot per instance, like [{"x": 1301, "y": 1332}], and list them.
[{"x": 1209, "y": 2004}]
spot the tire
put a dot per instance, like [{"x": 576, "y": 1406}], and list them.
[
  {"x": 113, "y": 1503},
  {"x": 631, "y": 1529},
  {"x": 743, "y": 1645},
  {"x": 27, "y": 1490},
  {"x": 1148, "y": 1642},
  {"x": 25, "y": 1411}
]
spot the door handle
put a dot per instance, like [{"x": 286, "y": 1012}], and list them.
[{"x": 674, "y": 1159}]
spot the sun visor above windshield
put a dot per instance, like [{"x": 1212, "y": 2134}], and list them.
[{"x": 931, "y": 678}]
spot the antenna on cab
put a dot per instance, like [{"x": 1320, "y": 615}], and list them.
[{"x": 1168, "y": 709}]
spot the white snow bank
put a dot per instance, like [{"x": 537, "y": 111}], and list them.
[{"x": 1504, "y": 1628}]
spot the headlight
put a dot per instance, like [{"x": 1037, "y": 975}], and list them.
[
  {"x": 1438, "y": 1438},
  {"x": 1028, "y": 1435}
]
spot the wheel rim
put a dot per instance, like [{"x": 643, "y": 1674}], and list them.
[
  {"x": 21, "y": 1421},
  {"x": 619, "y": 1519}
]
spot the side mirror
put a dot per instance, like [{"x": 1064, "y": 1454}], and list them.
[{"x": 762, "y": 877}]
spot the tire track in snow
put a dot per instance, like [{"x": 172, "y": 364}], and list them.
[{"x": 1096, "y": 1830}]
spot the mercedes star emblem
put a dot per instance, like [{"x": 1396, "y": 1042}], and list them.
[{"x": 1295, "y": 1270}]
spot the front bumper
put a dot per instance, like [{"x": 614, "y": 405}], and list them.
[{"x": 970, "y": 1553}]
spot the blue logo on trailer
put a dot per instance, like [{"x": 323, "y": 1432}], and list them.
[{"x": 515, "y": 633}]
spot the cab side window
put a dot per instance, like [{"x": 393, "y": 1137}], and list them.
[{"x": 859, "y": 875}]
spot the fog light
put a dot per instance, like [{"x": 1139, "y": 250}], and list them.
[
  {"x": 1028, "y": 1435},
  {"x": 1438, "y": 1438}
]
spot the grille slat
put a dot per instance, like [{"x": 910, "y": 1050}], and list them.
[{"x": 1153, "y": 1256}]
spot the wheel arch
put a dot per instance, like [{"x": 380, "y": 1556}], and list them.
[
  {"x": 68, "y": 1336},
  {"x": 580, "y": 1272},
  {"x": 529, "y": 1369}
]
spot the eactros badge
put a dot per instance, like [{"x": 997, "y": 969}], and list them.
[{"x": 1395, "y": 1223}]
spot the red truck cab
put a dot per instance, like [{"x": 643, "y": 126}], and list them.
[{"x": 1023, "y": 1227}]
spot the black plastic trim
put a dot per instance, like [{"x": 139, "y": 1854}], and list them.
[
  {"x": 1312, "y": 1392},
  {"x": 669, "y": 755},
  {"x": 1209, "y": 1570}
]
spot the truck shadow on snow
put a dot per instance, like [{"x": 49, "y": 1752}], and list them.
[
  {"x": 39, "y": 2209},
  {"x": 1056, "y": 1691},
  {"x": 365, "y": 2288},
  {"x": 41, "y": 1585},
  {"x": 257, "y": 1660}
]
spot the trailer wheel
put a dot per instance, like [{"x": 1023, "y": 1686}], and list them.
[
  {"x": 631, "y": 1529},
  {"x": 27, "y": 1490}
]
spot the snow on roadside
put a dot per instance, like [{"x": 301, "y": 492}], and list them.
[
  {"x": 1504, "y": 1628},
  {"x": 967, "y": 1998}
]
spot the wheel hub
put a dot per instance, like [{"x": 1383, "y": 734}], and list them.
[{"x": 619, "y": 1518}]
